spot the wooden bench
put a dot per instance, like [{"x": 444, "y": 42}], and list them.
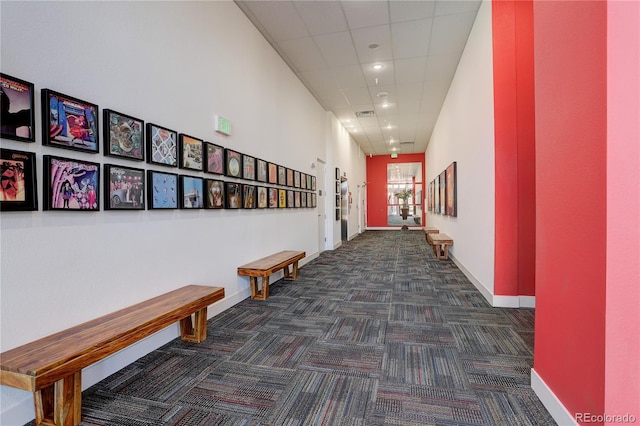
[
  {"x": 440, "y": 244},
  {"x": 51, "y": 367},
  {"x": 268, "y": 265},
  {"x": 430, "y": 230}
]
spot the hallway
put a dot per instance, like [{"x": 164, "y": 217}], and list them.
[{"x": 376, "y": 332}]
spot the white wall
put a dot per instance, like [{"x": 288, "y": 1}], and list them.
[
  {"x": 464, "y": 133},
  {"x": 176, "y": 64}
]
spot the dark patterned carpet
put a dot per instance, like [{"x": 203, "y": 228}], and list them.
[{"x": 377, "y": 332}]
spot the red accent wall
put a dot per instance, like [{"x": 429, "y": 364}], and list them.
[
  {"x": 571, "y": 178},
  {"x": 377, "y": 185},
  {"x": 514, "y": 112}
]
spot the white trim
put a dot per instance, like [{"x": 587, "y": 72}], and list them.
[
  {"x": 527, "y": 301},
  {"x": 551, "y": 402},
  {"x": 500, "y": 301},
  {"x": 481, "y": 288},
  {"x": 21, "y": 411},
  {"x": 393, "y": 228}
]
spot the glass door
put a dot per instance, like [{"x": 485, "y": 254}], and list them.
[{"x": 404, "y": 194}]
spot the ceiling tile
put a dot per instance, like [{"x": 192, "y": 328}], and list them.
[
  {"x": 357, "y": 96},
  {"x": 411, "y": 38},
  {"x": 279, "y": 18},
  {"x": 410, "y": 70},
  {"x": 380, "y": 35},
  {"x": 322, "y": 17},
  {"x": 448, "y": 7},
  {"x": 350, "y": 76},
  {"x": 410, "y": 10},
  {"x": 366, "y": 13},
  {"x": 450, "y": 33},
  {"x": 385, "y": 75},
  {"x": 303, "y": 52},
  {"x": 337, "y": 49},
  {"x": 320, "y": 79}
]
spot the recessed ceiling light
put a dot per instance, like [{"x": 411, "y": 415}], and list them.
[
  {"x": 377, "y": 67},
  {"x": 382, "y": 94},
  {"x": 374, "y": 46},
  {"x": 389, "y": 126},
  {"x": 385, "y": 105}
]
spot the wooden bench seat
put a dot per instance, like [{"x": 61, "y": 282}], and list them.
[
  {"x": 51, "y": 367},
  {"x": 268, "y": 265},
  {"x": 440, "y": 243},
  {"x": 430, "y": 230}
]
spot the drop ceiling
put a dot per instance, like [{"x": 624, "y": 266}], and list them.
[{"x": 332, "y": 47}]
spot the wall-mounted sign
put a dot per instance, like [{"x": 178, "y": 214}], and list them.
[{"x": 222, "y": 125}]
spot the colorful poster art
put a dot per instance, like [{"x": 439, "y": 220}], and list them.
[
  {"x": 163, "y": 193},
  {"x": 18, "y": 181},
  {"x": 191, "y": 152},
  {"x": 123, "y": 136},
  {"x": 192, "y": 189},
  {"x": 162, "y": 146},
  {"x": 215, "y": 159},
  {"x": 71, "y": 184},
  {"x": 126, "y": 188},
  {"x": 234, "y": 195},
  {"x": 273, "y": 198},
  {"x": 16, "y": 98},
  {"x": 451, "y": 190},
  {"x": 69, "y": 122},
  {"x": 215, "y": 194}
]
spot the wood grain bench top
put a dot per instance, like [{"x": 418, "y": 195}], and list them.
[
  {"x": 431, "y": 230},
  {"x": 44, "y": 361},
  {"x": 269, "y": 264},
  {"x": 441, "y": 239}
]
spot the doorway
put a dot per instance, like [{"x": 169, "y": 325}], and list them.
[
  {"x": 344, "y": 209},
  {"x": 320, "y": 210}
]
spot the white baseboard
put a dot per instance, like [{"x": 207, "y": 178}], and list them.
[
  {"x": 496, "y": 301},
  {"x": 551, "y": 402},
  {"x": 16, "y": 406}
]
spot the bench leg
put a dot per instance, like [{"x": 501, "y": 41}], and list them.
[
  {"x": 293, "y": 275},
  {"x": 442, "y": 251},
  {"x": 256, "y": 293},
  {"x": 61, "y": 403},
  {"x": 196, "y": 334}
]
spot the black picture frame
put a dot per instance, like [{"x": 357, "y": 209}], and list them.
[
  {"x": 273, "y": 173},
  {"x": 296, "y": 179},
  {"x": 70, "y": 184},
  {"x": 272, "y": 195},
  {"x": 233, "y": 195},
  {"x": 296, "y": 199},
  {"x": 313, "y": 183},
  {"x": 123, "y": 136},
  {"x": 290, "y": 178},
  {"x": 215, "y": 191},
  {"x": 337, "y": 173},
  {"x": 248, "y": 167},
  {"x": 248, "y": 196},
  {"x": 18, "y": 119},
  {"x": 124, "y": 188},
  {"x": 282, "y": 198},
  {"x": 303, "y": 200},
  {"x": 69, "y": 122},
  {"x": 261, "y": 170},
  {"x": 233, "y": 163},
  {"x": 191, "y": 192},
  {"x": 162, "y": 190},
  {"x": 451, "y": 190},
  {"x": 290, "y": 199},
  {"x": 214, "y": 159},
  {"x": 262, "y": 195},
  {"x": 18, "y": 191},
  {"x": 282, "y": 175},
  {"x": 190, "y": 153},
  {"x": 337, "y": 214},
  {"x": 162, "y": 145}
]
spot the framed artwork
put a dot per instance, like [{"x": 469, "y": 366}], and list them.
[
  {"x": 296, "y": 179},
  {"x": 69, "y": 122},
  {"x": 443, "y": 187},
  {"x": 162, "y": 190},
  {"x": 282, "y": 176},
  {"x": 337, "y": 214},
  {"x": 233, "y": 195},
  {"x": 123, "y": 188},
  {"x": 162, "y": 145},
  {"x": 17, "y": 117},
  {"x": 290, "y": 199},
  {"x": 451, "y": 190},
  {"x": 272, "y": 194},
  {"x": 214, "y": 158},
  {"x": 273, "y": 173},
  {"x": 429, "y": 197},
  {"x": 337, "y": 173},
  {"x": 233, "y": 162},
  {"x": 303, "y": 199},
  {"x": 290, "y": 178},
  {"x": 313, "y": 183},
  {"x": 337, "y": 187},
  {"x": 314, "y": 200},
  {"x": 191, "y": 152},
  {"x": 436, "y": 195},
  {"x": 191, "y": 192},
  {"x": 18, "y": 191},
  {"x": 215, "y": 194},
  {"x": 248, "y": 167},
  {"x": 282, "y": 198},
  {"x": 71, "y": 184},
  {"x": 248, "y": 196},
  {"x": 123, "y": 136},
  {"x": 337, "y": 201},
  {"x": 261, "y": 170},
  {"x": 296, "y": 199},
  {"x": 303, "y": 181},
  {"x": 262, "y": 197}
]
